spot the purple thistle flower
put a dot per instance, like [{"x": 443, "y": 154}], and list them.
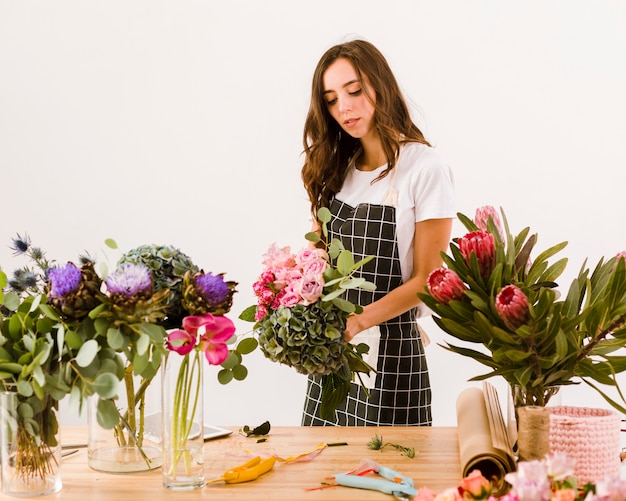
[
  {"x": 213, "y": 288},
  {"x": 63, "y": 280},
  {"x": 129, "y": 280}
]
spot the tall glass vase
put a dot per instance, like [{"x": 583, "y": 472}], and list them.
[
  {"x": 182, "y": 410},
  {"x": 31, "y": 466},
  {"x": 133, "y": 444}
]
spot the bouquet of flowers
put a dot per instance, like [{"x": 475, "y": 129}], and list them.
[
  {"x": 551, "y": 478},
  {"x": 490, "y": 292},
  {"x": 300, "y": 315}
]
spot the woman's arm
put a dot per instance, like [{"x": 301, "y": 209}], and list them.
[{"x": 431, "y": 238}]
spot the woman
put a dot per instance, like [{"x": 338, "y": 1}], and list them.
[{"x": 391, "y": 196}]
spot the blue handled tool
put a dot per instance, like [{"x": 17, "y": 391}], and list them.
[{"x": 394, "y": 483}]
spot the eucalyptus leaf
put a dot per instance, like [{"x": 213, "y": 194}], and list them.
[{"x": 87, "y": 353}]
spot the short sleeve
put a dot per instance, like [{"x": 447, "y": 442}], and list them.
[{"x": 433, "y": 188}]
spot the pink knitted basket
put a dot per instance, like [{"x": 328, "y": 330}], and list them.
[{"x": 590, "y": 436}]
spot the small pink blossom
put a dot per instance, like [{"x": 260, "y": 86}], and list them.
[
  {"x": 182, "y": 342},
  {"x": 261, "y": 312},
  {"x": 278, "y": 257},
  {"x": 214, "y": 331}
]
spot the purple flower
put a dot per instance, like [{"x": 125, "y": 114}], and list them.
[
  {"x": 213, "y": 288},
  {"x": 129, "y": 280},
  {"x": 63, "y": 280}
]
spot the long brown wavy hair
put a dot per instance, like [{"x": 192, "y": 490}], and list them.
[{"x": 327, "y": 148}]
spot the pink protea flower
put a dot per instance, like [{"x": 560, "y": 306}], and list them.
[
  {"x": 512, "y": 305},
  {"x": 445, "y": 285},
  {"x": 483, "y": 245},
  {"x": 481, "y": 219}
]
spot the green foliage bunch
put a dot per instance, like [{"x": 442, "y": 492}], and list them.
[{"x": 492, "y": 293}]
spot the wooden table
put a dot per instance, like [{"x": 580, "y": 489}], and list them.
[{"x": 436, "y": 465}]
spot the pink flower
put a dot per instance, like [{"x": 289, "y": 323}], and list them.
[
  {"x": 512, "y": 305},
  {"x": 451, "y": 494},
  {"x": 214, "y": 331},
  {"x": 445, "y": 285},
  {"x": 261, "y": 312},
  {"x": 307, "y": 255},
  {"x": 310, "y": 288},
  {"x": 621, "y": 255},
  {"x": 480, "y": 243},
  {"x": 284, "y": 276},
  {"x": 477, "y": 486},
  {"x": 182, "y": 342},
  {"x": 276, "y": 257},
  {"x": 289, "y": 296},
  {"x": 315, "y": 267},
  {"x": 424, "y": 494},
  {"x": 564, "y": 495},
  {"x": 560, "y": 466},
  {"x": 481, "y": 219}
]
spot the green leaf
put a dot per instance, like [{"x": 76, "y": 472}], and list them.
[
  {"x": 324, "y": 215},
  {"x": 345, "y": 262},
  {"x": 247, "y": 345},
  {"x": 225, "y": 376},
  {"x": 106, "y": 385},
  {"x": 110, "y": 243},
  {"x": 248, "y": 314},
  {"x": 142, "y": 344},
  {"x": 11, "y": 301},
  {"x": 156, "y": 332},
  {"x": 115, "y": 338},
  {"x": 240, "y": 372},
  {"x": 312, "y": 236},
  {"x": 107, "y": 414},
  {"x": 87, "y": 353}
]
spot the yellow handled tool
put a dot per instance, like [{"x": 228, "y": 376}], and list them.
[{"x": 250, "y": 470}]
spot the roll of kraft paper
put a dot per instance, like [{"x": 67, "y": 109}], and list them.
[{"x": 483, "y": 440}]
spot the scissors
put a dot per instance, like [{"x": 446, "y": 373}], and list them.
[{"x": 392, "y": 482}]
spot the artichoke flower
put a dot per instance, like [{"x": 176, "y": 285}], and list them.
[
  {"x": 131, "y": 296},
  {"x": 73, "y": 292},
  {"x": 168, "y": 266},
  {"x": 207, "y": 293}
]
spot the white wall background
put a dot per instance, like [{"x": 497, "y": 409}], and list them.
[{"x": 180, "y": 123}]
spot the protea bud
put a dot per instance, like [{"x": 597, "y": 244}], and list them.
[
  {"x": 481, "y": 219},
  {"x": 512, "y": 305},
  {"x": 73, "y": 292},
  {"x": 445, "y": 285},
  {"x": 207, "y": 293},
  {"x": 482, "y": 244}
]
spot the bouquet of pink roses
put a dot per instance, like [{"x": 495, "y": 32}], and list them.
[{"x": 300, "y": 315}]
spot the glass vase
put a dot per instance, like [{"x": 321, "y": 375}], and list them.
[
  {"x": 30, "y": 467},
  {"x": 133, "y": 444},
  {"x": 182, "y": 410}
]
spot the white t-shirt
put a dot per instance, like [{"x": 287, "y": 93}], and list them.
[{"x": 425, "y": 190}]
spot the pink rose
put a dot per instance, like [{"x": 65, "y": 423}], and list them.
[
  {"x": 477, "y": 486},
  {"x": 306, "y": 255},
  {"x": 310, "y": 288},
  {"x": 284, "y": 276},
  {"x": 315, "y": 267},
  {"x": 564, "y": 495},
  {"x": 278, "y": 257},
  {"x": 261, "y": 312},
  {"x": 289, "y": 297}
]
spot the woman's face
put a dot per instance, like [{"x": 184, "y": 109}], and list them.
[{"x": 347, "y": 98}]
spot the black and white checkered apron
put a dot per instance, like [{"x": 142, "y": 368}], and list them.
[{"x": 402, "y": 394}]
